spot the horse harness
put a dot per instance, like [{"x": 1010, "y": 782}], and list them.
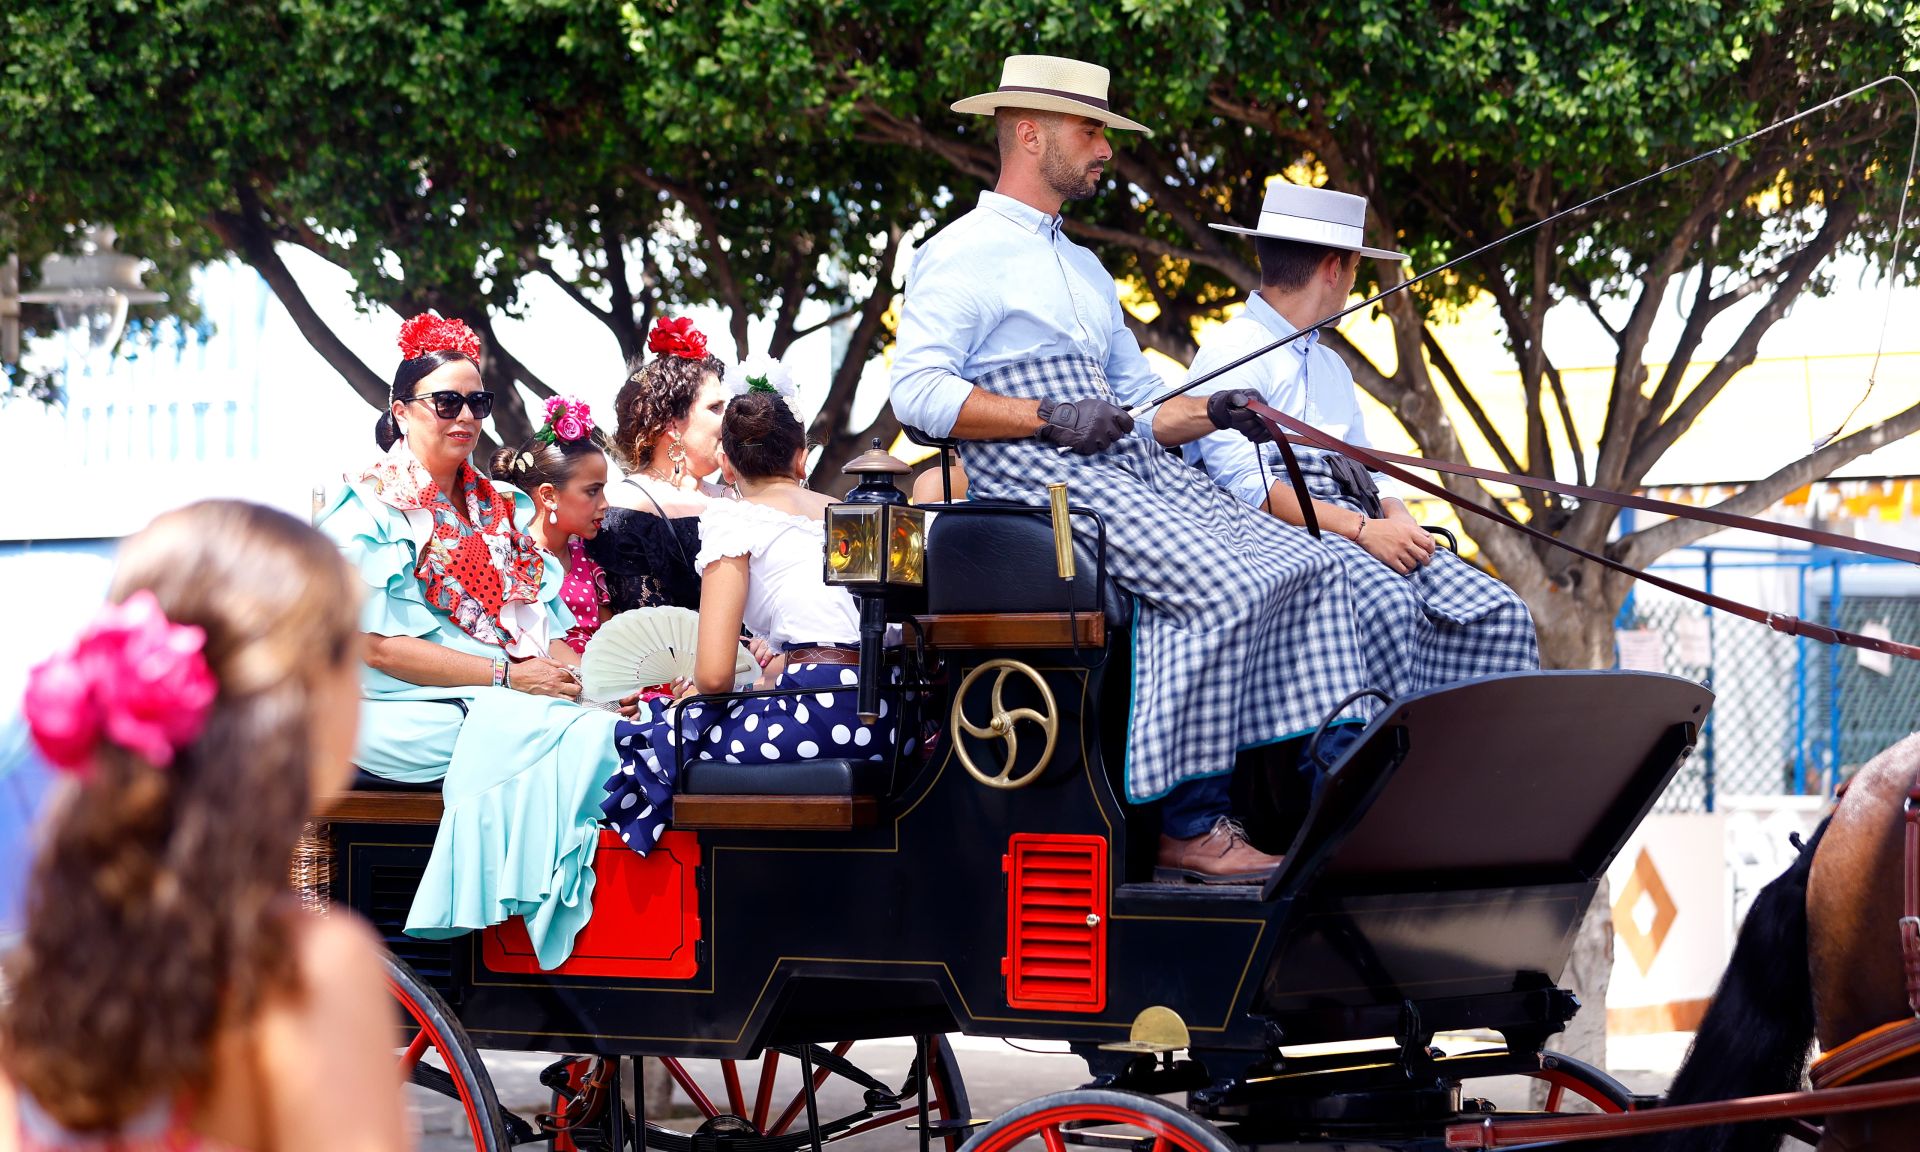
[{"x": 1875, "y": 1049}]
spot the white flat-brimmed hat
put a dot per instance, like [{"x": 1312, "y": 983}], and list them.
[
  {"x": 1314, "y": 216},
  {"x": 1051, "y": 84}
]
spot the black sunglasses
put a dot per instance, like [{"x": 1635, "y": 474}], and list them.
[{"x": 446, "y": 405}]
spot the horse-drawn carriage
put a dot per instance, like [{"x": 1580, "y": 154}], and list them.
[{"x": 987, "y": 878}]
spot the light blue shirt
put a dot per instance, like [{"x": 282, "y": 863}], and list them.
[
  {"x": 1307, "y": 380},
  {"x": 999, "y": 286}
]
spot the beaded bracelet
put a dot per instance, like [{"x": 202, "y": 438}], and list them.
[{"x": 499, "y": 671}]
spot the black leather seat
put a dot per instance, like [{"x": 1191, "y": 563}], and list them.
[
  {"x": 800, "y": 778},
  {"x": 719, "y": 778},
  {"x": 985, "y": 558},
  {"x": 365, "y": 781}
]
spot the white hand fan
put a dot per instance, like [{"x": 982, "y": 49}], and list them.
[{"x": 644, "y": 648}]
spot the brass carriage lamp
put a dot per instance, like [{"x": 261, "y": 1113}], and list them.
[
  {"x": 875, "y": 541},
  {"x": 876, "y": 545}
]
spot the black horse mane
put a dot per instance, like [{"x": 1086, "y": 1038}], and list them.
[{"x": 1759, "y": 1029}]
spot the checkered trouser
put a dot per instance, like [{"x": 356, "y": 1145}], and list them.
[
  {"x": 1448, "y": 621},
  {"x": 1245, "y": 631}
]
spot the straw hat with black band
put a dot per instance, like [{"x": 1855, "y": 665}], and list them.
[
  {"x": 1313, "y": 216},
  {"x": 1051, "y": 84}
]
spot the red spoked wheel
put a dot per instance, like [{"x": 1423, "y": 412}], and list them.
[
  {"x": 1100, "y": 1118},
  {"x": 441, "y": 1061},
  {"x": 758, "y": 1106},
  {"x": 1568, "y": 1079}
]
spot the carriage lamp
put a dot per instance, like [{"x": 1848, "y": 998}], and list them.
[
  {"x": 875, "y": 544},
  {"x": 874, "y": 540}
]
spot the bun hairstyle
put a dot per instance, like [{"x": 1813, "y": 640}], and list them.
[
  {"x": 535, "y": 463},
  {"x": 157, "y": 909},
  {"x": 427, "y": 344},
  {"x": 760, "y": 434}
]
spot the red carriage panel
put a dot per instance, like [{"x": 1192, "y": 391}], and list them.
[{"x": 645, "y": 923}]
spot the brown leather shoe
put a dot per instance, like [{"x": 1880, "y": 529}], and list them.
[{"x": 1221, "y": 856}]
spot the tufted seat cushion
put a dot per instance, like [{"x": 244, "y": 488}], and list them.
[
  {"x": 980, "y": 559},
  {"x": 800, "y": 778}
]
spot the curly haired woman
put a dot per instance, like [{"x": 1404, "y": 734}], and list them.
[
  {"x": 168, "y": 992},
  {"x": 668, "y": 431}
]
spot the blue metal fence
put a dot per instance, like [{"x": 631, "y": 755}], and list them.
[{"x": 1794, "y": 716}]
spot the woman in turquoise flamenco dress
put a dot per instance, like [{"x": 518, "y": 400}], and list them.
[{"x": 468, "y": 679}]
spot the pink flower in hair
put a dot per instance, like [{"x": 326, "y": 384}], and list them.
[{"x": 132, "y": 677}]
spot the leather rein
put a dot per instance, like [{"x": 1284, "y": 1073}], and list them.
[{"x": 1286, "y": 428}]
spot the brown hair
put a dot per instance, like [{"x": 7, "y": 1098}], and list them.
[
  {"x": 535, "y": 463},
  {"x": 760, "y": 434},
  {"x": 1290, "y": 264},
  {"x": 156, "y": 908},
  {"x": 654, "y": 396}
]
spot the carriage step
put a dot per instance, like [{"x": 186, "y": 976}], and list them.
[{"x": 951, "y": 1127}]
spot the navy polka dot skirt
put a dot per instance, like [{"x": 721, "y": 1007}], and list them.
[{"x": 820, "y": 725}]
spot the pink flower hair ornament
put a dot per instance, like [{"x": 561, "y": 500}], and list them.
[
  {"x": 568, "y": 419},
  {"x": 132, "y": 678}
]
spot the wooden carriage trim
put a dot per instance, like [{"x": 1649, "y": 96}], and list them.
[
  {"x": 775, "y": 813},
  {"x": 1014, "y": 629},
  {"x": 381, "y": 808}
]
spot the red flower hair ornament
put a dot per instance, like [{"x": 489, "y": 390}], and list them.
[
  {"x": 426, "y": 333},
  {"x": 677, "y": 338},
  {"x": 133, "y": 678}
]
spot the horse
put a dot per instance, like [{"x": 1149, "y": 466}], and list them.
[{"x": 1818, "y": 957}]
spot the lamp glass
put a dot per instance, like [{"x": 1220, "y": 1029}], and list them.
[
  {"x": 906, "y": 546},
  {"x": 854, "y": 536}
]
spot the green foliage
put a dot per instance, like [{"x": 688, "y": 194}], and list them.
[{"x": 651, "y": 154}]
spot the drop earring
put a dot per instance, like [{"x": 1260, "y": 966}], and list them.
[
  {"x": 678, "y": 454},
  {"x": 553, "y": 515}
]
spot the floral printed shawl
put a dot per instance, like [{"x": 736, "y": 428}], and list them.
[{"x": 475, "y": 570}]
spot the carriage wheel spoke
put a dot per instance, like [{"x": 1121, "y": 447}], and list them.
[
  {"x": 736, "y": 1099},
  {"x": 1554, "y": 1096},
  {"x": 799, "y": 1100},
  {"x": 763, "y": 1100},
  {"x": 680, "y": 1077},
  {"x": 1053, "y": 1139},
  {"x": 413, "y": 1053}
]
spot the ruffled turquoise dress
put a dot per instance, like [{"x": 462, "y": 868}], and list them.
[{"x": 521, "y": 774}]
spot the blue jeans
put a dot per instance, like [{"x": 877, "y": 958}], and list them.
[{"x": 1191, "y": 808}]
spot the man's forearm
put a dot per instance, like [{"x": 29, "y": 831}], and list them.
[
  {"x": 990, "y": 416},
  {"x": 1182, "y": 420}
]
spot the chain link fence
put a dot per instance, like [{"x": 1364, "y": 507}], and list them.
[{"x": 1792, "y": 716}]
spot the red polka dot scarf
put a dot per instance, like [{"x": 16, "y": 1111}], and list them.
[{"x": 471, "y": 568}]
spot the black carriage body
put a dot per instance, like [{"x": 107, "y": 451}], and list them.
[{"x": 1436, "y": 884}]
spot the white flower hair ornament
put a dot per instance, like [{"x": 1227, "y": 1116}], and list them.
[{"x": 764, "y": 374}]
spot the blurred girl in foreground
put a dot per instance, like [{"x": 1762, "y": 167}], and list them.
[{"x": 168, "y": 993}]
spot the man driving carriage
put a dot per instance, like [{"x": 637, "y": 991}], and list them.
[
  {"x": 1447, "y": 620},
  {"x": 1012, "y": 340}
]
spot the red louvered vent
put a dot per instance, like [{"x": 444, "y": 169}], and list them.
[{"x": 1056, "y": 922}]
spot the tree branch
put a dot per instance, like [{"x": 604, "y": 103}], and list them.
[
  {"x": 1649, "y": 544},
  {"x": 1475, "y": 411},
  {"x": 1839, "y": 222},
  {"x": 573, "y": 292},
  {"x": 245, "y": 232}
]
